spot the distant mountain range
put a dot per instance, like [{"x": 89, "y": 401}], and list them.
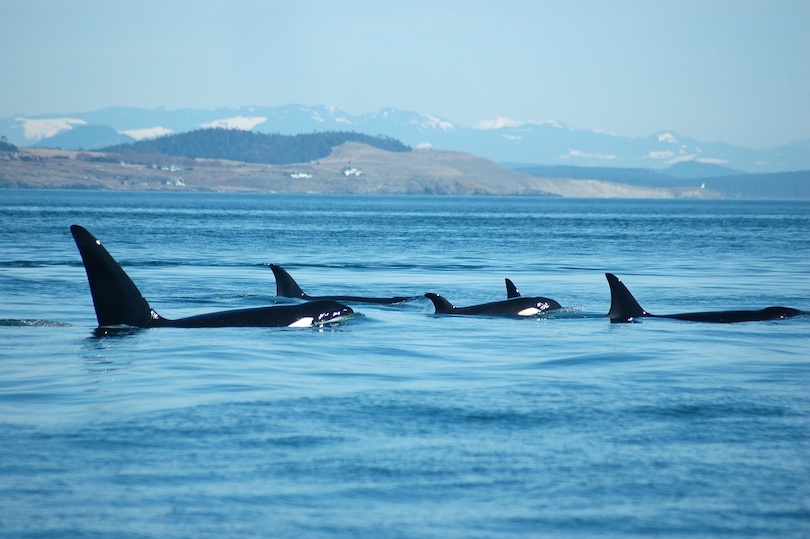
[
  {"x": 213, "y": 160},
  {"x": 501, "y": 140}
]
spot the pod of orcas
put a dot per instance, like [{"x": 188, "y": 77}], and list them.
[{"x": 119, "y": 304}]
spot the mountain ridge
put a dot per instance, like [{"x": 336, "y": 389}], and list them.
[{"x": 500, "y": 140}]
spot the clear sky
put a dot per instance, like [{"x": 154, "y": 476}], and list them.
[{"x": 736, "y": 71}]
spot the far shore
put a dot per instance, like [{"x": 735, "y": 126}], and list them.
[{"x": 351, "y": 169}]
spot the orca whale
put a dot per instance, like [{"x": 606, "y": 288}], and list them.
[
  {"x": 119, "y": 303},
  {"x": 625, "y": 308},
  {"x": 514, "y": 306},
  {"x": 286, "y": 287}
]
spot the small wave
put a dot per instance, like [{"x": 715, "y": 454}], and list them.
[
  {"x": 14, "y": 322},
  {"x": 714, "y": 410},
  {"x": 572, "y": 311},
  {"x": 381, "y": 266},
  {"x": 189, "y": 263},
  {"x": 593, "y": 360},
  {"x": 20, "y": 264}
]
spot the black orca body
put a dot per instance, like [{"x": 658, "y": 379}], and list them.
[
  {"x": 625, "y": 308},
  {"x": 286, "y": 287},
  {"x": 118, "y": 302},
  {"x": 515, "y": 306}
]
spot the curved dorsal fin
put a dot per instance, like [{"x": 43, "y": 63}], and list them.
[
  {"x": 286, "y": 287},
  {"x": 623, "y": 306},
  {"x": 117, "y": 300},
  {"x": 511, "y": 289},
  {"x": 441, "y": 305}
]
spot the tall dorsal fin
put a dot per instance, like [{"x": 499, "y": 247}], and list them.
[
  {"x": 511, "y": 289},
  {"x": 441, "y": 305},
  {"x": 117, "y": 300},
  {"x": 623, "y": 306},
  {"x": 286, "y": 287}
]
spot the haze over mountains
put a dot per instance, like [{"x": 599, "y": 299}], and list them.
[
  {"x": 501, "y": 140},
  {"x": 305, "y": 149}
]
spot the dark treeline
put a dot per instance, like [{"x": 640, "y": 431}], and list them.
[{"x": 250, "y": 147}]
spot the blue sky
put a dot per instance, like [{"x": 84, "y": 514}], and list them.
[{"x": 716, "y": 70}]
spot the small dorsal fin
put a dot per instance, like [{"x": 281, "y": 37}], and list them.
[
  {"x": 441, "y": 305},
  {"x": 286, "y": 287},
  {"x": 117, "y": 300},
  {"x": 623, "y": 306},
  {"x": 511, "y": 289}
]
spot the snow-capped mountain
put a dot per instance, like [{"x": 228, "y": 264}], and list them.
[{"x": 501, "y": 139}]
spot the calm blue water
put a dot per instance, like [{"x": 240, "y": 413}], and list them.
[{"x": 398, "y": 423}]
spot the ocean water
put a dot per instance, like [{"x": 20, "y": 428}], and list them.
[{"x": 398, "y": 423}]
